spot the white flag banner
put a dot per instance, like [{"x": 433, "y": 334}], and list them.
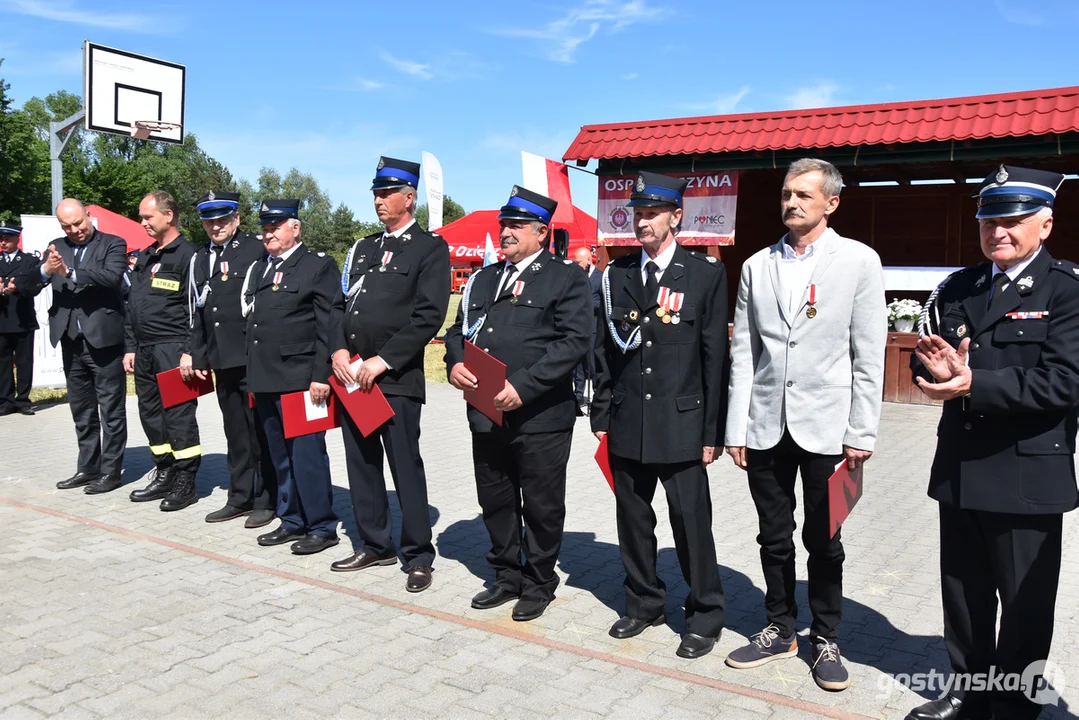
[{"x": 432, "y": 182}]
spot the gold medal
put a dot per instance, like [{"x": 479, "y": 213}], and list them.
[
  {"x": 275, "y": 288},
  {"x": 224, "y": 277},
  {"x": 666, "y": 319},
  {"x": 660, "y": 312},
  {"x": 811, "y": 312}
]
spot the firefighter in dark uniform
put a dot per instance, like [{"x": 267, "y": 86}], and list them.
[
  {"x": 20, "y": 282},
  {"x": 395, "y": 288},
  {"x": 533, "y": 313},
  {"x": 1000, "y": 347},
  {"x": 218, "y": 343},
  {"x": 288, "y": 298},
  {"x": 660, "y": 398},
  {"x": 158, "y": 324}
]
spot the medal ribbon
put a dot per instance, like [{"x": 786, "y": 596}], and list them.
[
  {"x": 277, "y": 276},
  {"x": 674, "y": 303},
  {"x": 154, "y": 269},
  {"x": 224, "y": 267},
  {"x": 518, "y": 287},
  {"x": 386, "y": 257},
  {"x": 661, "y": 299},
  {"x": 812, "y": 293}
]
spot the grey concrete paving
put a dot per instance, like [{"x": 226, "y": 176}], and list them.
[{"x": 114, "y": 609}]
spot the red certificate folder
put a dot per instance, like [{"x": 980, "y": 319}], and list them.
[
  {"x": 174, "y": 391},
  {"x": 299, "y": 417},
  {"x": 603, "y": 459},
  {"x": 490, "y": 380},
  {"x": 369, "y": 409},
  {"x": 844, "y": 492}
]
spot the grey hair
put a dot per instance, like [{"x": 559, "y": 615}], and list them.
[{"x": 831, "y": 182}]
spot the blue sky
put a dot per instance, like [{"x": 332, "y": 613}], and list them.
[{"x": 329, "y": 86}]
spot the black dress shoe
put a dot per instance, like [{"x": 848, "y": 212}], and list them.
[
  {"x": 946, "y": 708},
  {"x": 312, "y": 544},
  {"x": 419, "y": 578},
  {"x": 259, "y": 518},
  {"x": 226, "y": 513},
  {"x": 627, "y": 627},
  {"x": 493, "y": 597},
  {"x": 694, "y": 646},
  {"x": 280, "y": 536},
  {"x": 27, "y": 410},
  {"x": 529, "y": 609},
  {"x": 103, "y": 484},
  {"x": 77, "y": 480},
  {"x": 361, "y": 560}
]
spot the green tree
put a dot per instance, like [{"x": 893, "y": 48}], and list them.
[
  {"x": 450, "y": 211},
  {"x": 24, "y": 162}
]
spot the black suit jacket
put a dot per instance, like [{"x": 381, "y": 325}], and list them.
[
  {"x": 595, "y": 284},
  {"x": 540, "y": 339},
  {"x": 219, "y": 329},
  {"x": 1009, "y": 447},
  {"x": 664, "y": 401},
  {"x": 289, "y": 329},
  {"x": 96, "y": 297},
  {"x": 399, "y": 308},
  {"x": 17, "y": 313}
]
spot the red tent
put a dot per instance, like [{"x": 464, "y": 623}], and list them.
[
  {"x": 114, "y": 224},
  {"x": 467, "y": 237}
]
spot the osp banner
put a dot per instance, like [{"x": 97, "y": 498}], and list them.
[{"x": 708, "y": 208}]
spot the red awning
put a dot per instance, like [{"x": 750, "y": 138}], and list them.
[
  {"x": 1035, "y": 112},
  {"x": 115, "y": 224},
  {"x": 467, "y": 236}
]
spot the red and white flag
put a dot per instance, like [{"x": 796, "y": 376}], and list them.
[{"x": 549, "y": 178}]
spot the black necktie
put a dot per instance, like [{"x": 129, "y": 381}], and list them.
[
  {"x": 507, "y": 286},
  {"x": 998, "y": 285},
  {"x": 79, "y": 250},
  {"x": 651, "y": 285},
  {"x": 217, "y": 250}
]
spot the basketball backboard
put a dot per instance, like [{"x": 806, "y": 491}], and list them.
[{"x": 122, "y": 89}]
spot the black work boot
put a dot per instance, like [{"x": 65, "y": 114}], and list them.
[
  {"x": 161, "y": 480},
  {"x": 183, "y": 492}
]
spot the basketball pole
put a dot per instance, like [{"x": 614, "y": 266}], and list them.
[{"x": 57, "y": 143}]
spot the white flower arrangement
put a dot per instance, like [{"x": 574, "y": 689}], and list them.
[{"x": 904, "y": 309}]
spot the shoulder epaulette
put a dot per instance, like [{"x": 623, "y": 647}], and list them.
[{"x": 1067, "y": 267}]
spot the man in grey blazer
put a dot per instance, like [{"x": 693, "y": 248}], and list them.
[{"x": 807, "y": 374}]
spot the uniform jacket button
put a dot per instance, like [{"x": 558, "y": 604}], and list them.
[
  {"x": 648, "y": 396},
  {"x": 215, "y": 309},
  {"x": 490, "y": 329},
  {"x": 648, "y": 344},
  {"x": 647, "y": 319},
  {"x": 648, "y": 371},
  {"x": 217, "y": 324},
  {"x": 355, "y": 312},
  {"x": 790, "y": 383},
  {"x": 975, "y": 346},
  {"x": 1018, "y": 332},
  {"x": 967, "y": 426},
  {"x": 792, "y": 343},
  {"x": 352, "y": 336},
  {"x": 256, "y": 342}
]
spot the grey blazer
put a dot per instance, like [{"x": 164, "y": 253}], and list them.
[{"x": 821, "y": 377}]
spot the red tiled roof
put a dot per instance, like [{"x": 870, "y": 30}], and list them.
[{"x": 1034, "y": 112}]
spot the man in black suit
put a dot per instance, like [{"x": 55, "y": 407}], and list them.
[
  {"x": 20, "y": 282},
  {"x": 158, "y": 325},
  {"x": 86, "y": 270},
  {"x": 660, "y": 400},
  {"x": 532, "y": 313},
  {"x": 586, "y": 369},
  {"x": 1000, "y": 347},
  {"x": 288, "y": 299},
  {"x": 394, "y": 294},
  {"x": 218, "y": 342}
]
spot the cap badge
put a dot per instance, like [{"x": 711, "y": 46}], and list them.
[
  {"x": 1002, "y": 176},
  {"x": 265, "y": 208},
  {"x": 513, "y": 192},
  {"x": 1025, "y": 283},
  {"x": 210, "y": 195},
  {"x": 640, "y": 183},
  {"x": 381, "y": 163}
]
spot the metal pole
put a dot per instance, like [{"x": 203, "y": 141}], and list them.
[{"x": 57, "y": 143}]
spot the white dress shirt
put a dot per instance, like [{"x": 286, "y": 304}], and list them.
[
  {"x": 284, "y": 256},
  {"x": 662, "y": 261},
  {"x": 795, "y": 271},
  {"x": 520, "y": 271}
]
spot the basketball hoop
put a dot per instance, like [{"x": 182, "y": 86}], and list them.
[{"x": 141, "y": 129}]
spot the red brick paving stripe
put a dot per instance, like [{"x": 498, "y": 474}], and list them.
[{"x": 802, "y": 705}]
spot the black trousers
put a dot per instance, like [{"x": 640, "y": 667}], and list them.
[
  {"x": 690, "y": 504},
  {"x": 521, "y": 484},
  {"x": 16, "y": 369},
  {"x": 771, "y": 483},
  {"x": 252, "y": 479},
  {"x": 96, "y": 391},
  {"x": 173, "y": 433},
  {"x": 400, "y": 437},
  {"x": 983, "y": 555}
]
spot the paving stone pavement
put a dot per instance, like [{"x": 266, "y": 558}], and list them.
[{"x": 113, "y": 609}]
